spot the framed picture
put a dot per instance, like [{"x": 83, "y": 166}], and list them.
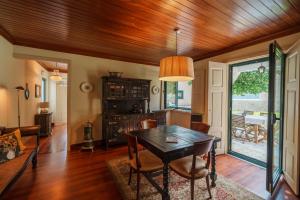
[
  {"x": 37, "y": 91},
  {"x": 180, "y": 94}
]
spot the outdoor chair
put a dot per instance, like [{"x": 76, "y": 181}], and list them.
[{"x": 240, "y": 130}]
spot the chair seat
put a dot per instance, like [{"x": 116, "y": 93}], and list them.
[
  {"x": 149, "y": 162},
  {"x": 183, "y": 167}
]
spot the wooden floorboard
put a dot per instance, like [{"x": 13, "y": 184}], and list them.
[{"x": 84, "y": 175}]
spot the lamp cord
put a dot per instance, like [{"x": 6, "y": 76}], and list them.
[{"x": 176, "y": 44}]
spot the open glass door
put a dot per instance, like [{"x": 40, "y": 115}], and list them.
[{"x": 275, "y": 118}]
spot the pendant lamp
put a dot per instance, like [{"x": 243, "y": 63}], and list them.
[
  {"x": 176, "y": 68},
  {"x": 56, "y": 76}
]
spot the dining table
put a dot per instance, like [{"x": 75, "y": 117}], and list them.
[{"x": 155, "y": 140}]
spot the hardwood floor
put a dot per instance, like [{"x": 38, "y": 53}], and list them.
[{"x": 84, "y": 175}]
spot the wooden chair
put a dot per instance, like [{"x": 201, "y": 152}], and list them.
[
  {"x": 141, "y": 161},
  {"x": 148, "y": 123},
  {"x": 239, "y": 128},
  {"x": 248, "y": 112},
  {"x": 199, "y": 126},
  {"x": 193, "y": 167},
  {"x": 264, "y": 114}
]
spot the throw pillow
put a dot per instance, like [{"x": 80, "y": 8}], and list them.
[
  {"x": 18, "y": 135},
  {"x": 9, "y": 147}
]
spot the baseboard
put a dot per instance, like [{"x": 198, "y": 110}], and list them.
[{"x": 97, "y": 143}]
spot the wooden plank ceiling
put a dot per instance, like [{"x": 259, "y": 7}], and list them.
[
  {"x": 142, "y": 30},
  {"x": 50, "y": 66}
]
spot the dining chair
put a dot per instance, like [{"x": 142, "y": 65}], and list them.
[
  {"x": 148, "y": 123},
  {"x": 194, "y": 167},
  {"x": 141, "y": 161},
  {"x": 200, "y": 126}
]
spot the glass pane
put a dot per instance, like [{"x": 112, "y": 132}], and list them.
[
  {"x": 277, "y": 109},
  {"x": 184, "y": 94},
  {"x": 43, "y": 90},
  {"x": 171, "y": 94},
  {"x": 249, "y": 120}
]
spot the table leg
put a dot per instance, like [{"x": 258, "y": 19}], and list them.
[
  {"x": 166, "y": 195},
  {"x": 213, "y": 175}
]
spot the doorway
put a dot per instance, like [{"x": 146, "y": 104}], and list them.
[
  {"x": 256, "y": 94},
  {"x": 248, "y": 110}
]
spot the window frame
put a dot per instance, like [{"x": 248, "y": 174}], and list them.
[{"x": 176, "y": 98}]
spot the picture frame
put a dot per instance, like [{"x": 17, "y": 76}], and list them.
[
  {"x": 37, "y": 91},
  {"x": 180, "y": 94}
]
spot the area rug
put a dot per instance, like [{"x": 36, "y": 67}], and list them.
[{"x": 179, "y": 187}]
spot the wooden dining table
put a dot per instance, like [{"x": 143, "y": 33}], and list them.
[{"x": 154, "y": 140}]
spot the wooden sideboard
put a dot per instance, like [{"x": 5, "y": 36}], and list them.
[
  {"x": 45, "y": 121},
  {"x": 125, "y": 103}
]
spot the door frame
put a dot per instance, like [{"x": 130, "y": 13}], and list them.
[
  {"x": 229, "y": 150},
  {"x": 270, "y": 184}
]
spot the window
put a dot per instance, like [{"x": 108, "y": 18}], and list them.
[
  {"x": 178, "y": 95},
  {"x": 43, "y": 89}
]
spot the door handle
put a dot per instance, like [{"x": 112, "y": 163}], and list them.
[{"x": 274, "y": 118}]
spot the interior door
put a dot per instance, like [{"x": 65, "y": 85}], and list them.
[
  {"x": 217, "y": 103},
  {"x": 61, "y": 103},
  {"x": 291, "y": 124},
  {"x": 275, "y": 118}
]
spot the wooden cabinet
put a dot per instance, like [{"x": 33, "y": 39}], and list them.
[
  {"x": 125, "y": 104},
  {"x": 45, "y": 121}
]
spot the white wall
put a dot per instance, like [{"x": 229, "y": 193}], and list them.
[
  {"x": 81, "y": 106},
  {"x": 12, "y": 74},
  {"x": 33, "y": 75},
  {"x": 17, "y": 72}
]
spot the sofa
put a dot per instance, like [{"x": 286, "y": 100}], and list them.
[{"x": 10, "y": 171}]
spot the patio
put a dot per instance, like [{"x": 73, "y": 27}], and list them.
[
  {"x": 251, "y": 149},
  {"x": 249, "y": 116}
]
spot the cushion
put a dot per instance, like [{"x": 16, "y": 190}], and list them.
[
  {"x": 183, "y": 167},
  {"x": 9, "y": 147},
  {"x": 149, "y": 162},
  {"x": 18, "y": 135}
]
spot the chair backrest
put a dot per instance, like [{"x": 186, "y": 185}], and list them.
[
  {"x": 238, "y": 121},
  {"x": 148, "y": 123},
  {"x": 133, "y": 149},
  {"x": 263, "y": 114},
  {"x": 248, "y": 112},
  {"x": 202, "y": 148},
  {"x": 199, "y": 126}
]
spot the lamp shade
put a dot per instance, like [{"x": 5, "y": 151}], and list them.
[
  {"x": 56, "y": 76},
  {"x": 44, "y": 104},
  {"x": 176, "y": 68}
]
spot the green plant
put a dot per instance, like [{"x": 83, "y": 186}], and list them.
[
  {"x": 251, "y": 82},
  {"x": 171, "y": 87}
]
